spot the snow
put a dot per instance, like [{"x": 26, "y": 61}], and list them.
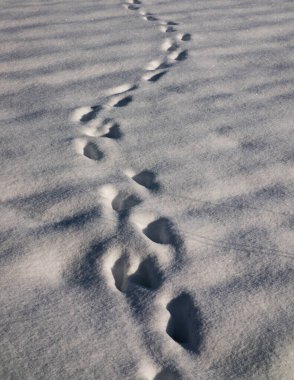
[{"x": 147, "y": 189}]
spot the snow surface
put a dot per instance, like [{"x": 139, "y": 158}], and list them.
[{"x": 147, "y": 189}]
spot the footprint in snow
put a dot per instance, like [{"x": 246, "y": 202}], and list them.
[
  {"x": 120, "y": 201},
  {"x": 150, "y": 18},
  {"x": 178, "y": 55},
  {"x": 167, "y": 374},
  {"x": 184, "y": 36},
  {"x": 167, "y": 29},
  {"x": 108, "y": 128},
  {"x": 145, "y": 178},
  {"x": 118, "y": 101},
  {"x": 156, "y": 65},
  {"x": 86, "y": 114},
  {"x": 169, "y": 45},
  {"x": 185, "y": 325},
  {"x": 154, "y": 77},
  {"x": 159, "y": 230},
  {"x": 89, "y": 149},
  {"x": 126, "y": 87},
  {"x": 128, "y": 272}
]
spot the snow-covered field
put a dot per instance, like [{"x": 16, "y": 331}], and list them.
[{"x": 147, "y": 189}]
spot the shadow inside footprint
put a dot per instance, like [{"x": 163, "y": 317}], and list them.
[
  {"x": 182, "y": 56},
  {"x": 124, "y": 102},
  {"x": 91, "y": 115},
  {"x": 186, "y": 37},
  {"x": 133, "y": 7},
  {"x": 123, "y": 202},
  {"x": 151, "y": 18},
  {"x": 147, "y": 275},
  {"x": 185, "y": 325},
  {"x": 147, "y": 179},
  {"x": 160, "y": 231},
  {"x": 120, "y": 273},
  {"x": 114, "y": 132},
  {"x": 156, "y": 77},
  {"x": 167, "y": 374},
  {"x": 91, "y": 151},
  {"x": 170, "y": 29}
]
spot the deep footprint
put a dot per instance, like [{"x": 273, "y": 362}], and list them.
[
  {"x": 185, "y": 325},
  {"x": 123, "y": 202},
  {"x": 91, "y": 115},
  {"x": 160, "y": 231},
  {"x": 186, "y": 37},
  {"x": 92, "y": 151},
  {"x": 155, "y": 77},
  {"x": 114, "y": 132},
  {"x": 167, "y": 374},
  {"x": 147, "y": 275},
  {"x": 147, "y": 179},
  {"x": 123, "y": 102},
  {"x": 120, "y": 273}
]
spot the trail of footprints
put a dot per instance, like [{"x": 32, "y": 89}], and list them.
[{"x": 126, "y": 272}]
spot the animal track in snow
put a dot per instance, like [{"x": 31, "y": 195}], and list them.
[
  {"x": 160, "y": 231},
  {"x": 184, "y": 36},
  {"x": 128, "y": 271},
  {"x": 150, "y": 17},
  {"x": 119, "y": 101},
  {"x": 119, "y": 201},
  {"x": 113, "y": 132},
  {"x": 108, "y": 128},
  {"x": 121, "y": 89},
  {"x": 154, "y": 77},
  {"x": 169, "y": 45},
  {"x": 124, "y": 201},
  {"x": 136, "y": 2},
  {"x": 86, "y": 114},
  {"x": 167, "y": 374},
  {"x": 185, "y": 325},
  {"x": 119, "y": 271},
  {"x": 89, "y": 149},
  {"x": 167, "y": 29},
  {"x": 147, "y": 275},
  {"x": 146, "y": 178},
  {"x": 156, "y": 65},
  {"x": 132, "y": 7},
  {"x": 178, "y": 55}
]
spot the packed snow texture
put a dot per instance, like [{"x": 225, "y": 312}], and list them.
[{"x": 147, "y": 189}]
